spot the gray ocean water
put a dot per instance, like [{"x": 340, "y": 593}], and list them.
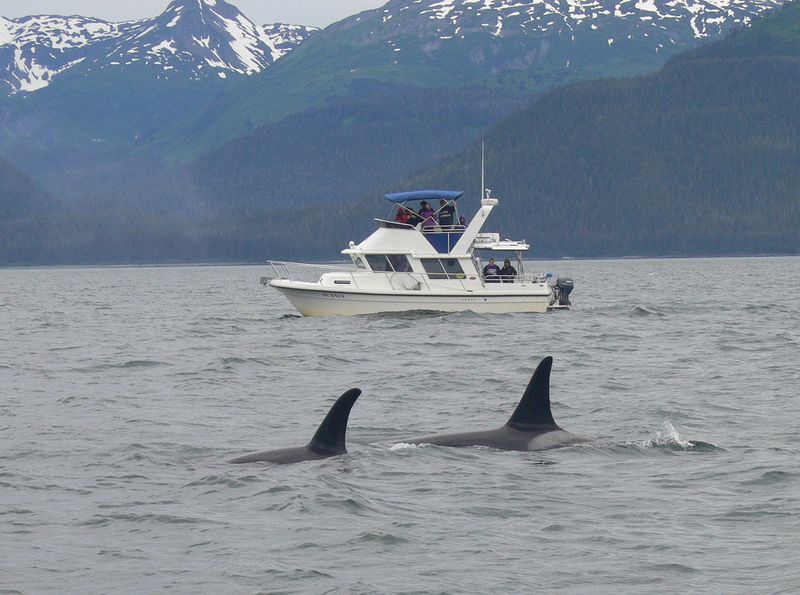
[{"x": 123, "y": 391}]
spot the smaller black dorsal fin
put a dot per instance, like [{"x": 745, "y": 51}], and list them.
[
  {"x": 533, "y": 411},
  {"x": 329, "y": 439}
]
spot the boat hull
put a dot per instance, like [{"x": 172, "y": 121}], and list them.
[{"x": 316, "y": 301}]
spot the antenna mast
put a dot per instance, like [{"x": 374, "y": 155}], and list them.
[{"x": 483, "y": 183}]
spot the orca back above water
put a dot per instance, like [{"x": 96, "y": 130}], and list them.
[
  {"x": 530, "y": 427},
  {"x": 329, "y": 440}
]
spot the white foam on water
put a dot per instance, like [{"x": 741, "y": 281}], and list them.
[
  {"x": 404, "y": 446},
  {"x": 668, "y": 436}
]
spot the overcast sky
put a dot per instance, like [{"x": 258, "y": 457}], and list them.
[{"x": 302, "y": 12}]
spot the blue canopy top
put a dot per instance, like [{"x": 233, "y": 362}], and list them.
[{"x": 399, "y": 197}]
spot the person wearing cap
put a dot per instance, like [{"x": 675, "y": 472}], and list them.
[
  {"x": 508, "y": 273},
  {"x": 491, "y": 272}
]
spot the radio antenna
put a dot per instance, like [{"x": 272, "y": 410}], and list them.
[{"x": 483, "y": 156}]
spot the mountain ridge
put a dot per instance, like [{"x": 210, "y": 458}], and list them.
[{"x": 197, "y": 38}]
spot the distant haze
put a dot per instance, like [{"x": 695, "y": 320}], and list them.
[{"x": 318, "y": 13}]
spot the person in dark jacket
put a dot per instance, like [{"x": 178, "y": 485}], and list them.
[
  {"x": 447, "y": 213},
  {"x": 491, "y": 272},
  {"x": 508, "y": 273}
]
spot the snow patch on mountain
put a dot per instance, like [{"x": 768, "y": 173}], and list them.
[
  {"x": 35, "y": 49},
  {"x": 5, "y": 32},
  {"x": 285, "y": 37},
  {"x": 512, "y": 17}
]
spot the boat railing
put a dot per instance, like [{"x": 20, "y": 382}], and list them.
[
  {"x": 431, "y": 228},
  {"x": 436, "y": 228},
  {"x": 300, "y": 271},
  {"x": 525, "y": 278}
]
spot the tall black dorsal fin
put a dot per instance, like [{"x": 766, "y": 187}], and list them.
[
  {"x": 533, "y": 411},
  {"x": 329, "y": 439}
]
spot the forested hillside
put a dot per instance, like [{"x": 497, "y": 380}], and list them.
[
  {"x": 19, "y": 196},
  {"x": 336, "y": 153},
  {"x": 22, "y": 205}
]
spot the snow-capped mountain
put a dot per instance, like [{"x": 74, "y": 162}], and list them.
[
  {"x": 192, "y": 39},
  {"x": 500, "y": 35}
]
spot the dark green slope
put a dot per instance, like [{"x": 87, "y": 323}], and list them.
[
  {"x": 91, "y": 115},
  {"x": 335, "y": 153},
  {"x": 700, "y": 158},
  {"x": 19, "y": 196},
  {"x": 23, "y": 208}
]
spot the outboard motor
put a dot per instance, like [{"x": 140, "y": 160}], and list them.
[{"x": 562, "y": 288}]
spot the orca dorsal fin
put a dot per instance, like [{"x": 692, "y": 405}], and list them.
[
  {"x": 533, "y": 411},
  {"x": 329, "y": 439}
]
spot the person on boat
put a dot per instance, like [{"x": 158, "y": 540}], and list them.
[
  {"x": 402, "y": 215},
  {"x": 447, "y": 213},
  {"x": 414, "y": 219},
  {"x": 508, "y": 273},
  {"x": 462, "y": 221},
  {"x": 491, "y": 272},
  {"x": 427, "y": 214}
]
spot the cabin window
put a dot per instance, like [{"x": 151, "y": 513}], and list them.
[
  {"x": 389, "y": 262},
  {"x": 378, "y": 262},
  {"x": 359, "y": 263},
  {"x": 446, "y": 268},
  {"x": 399, "y": 262},
  {"x": 453, "y": 268},
  {"x": 434, "y": 268}
]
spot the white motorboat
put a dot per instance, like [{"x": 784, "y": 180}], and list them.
[{"x": 430, "y": 262}]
